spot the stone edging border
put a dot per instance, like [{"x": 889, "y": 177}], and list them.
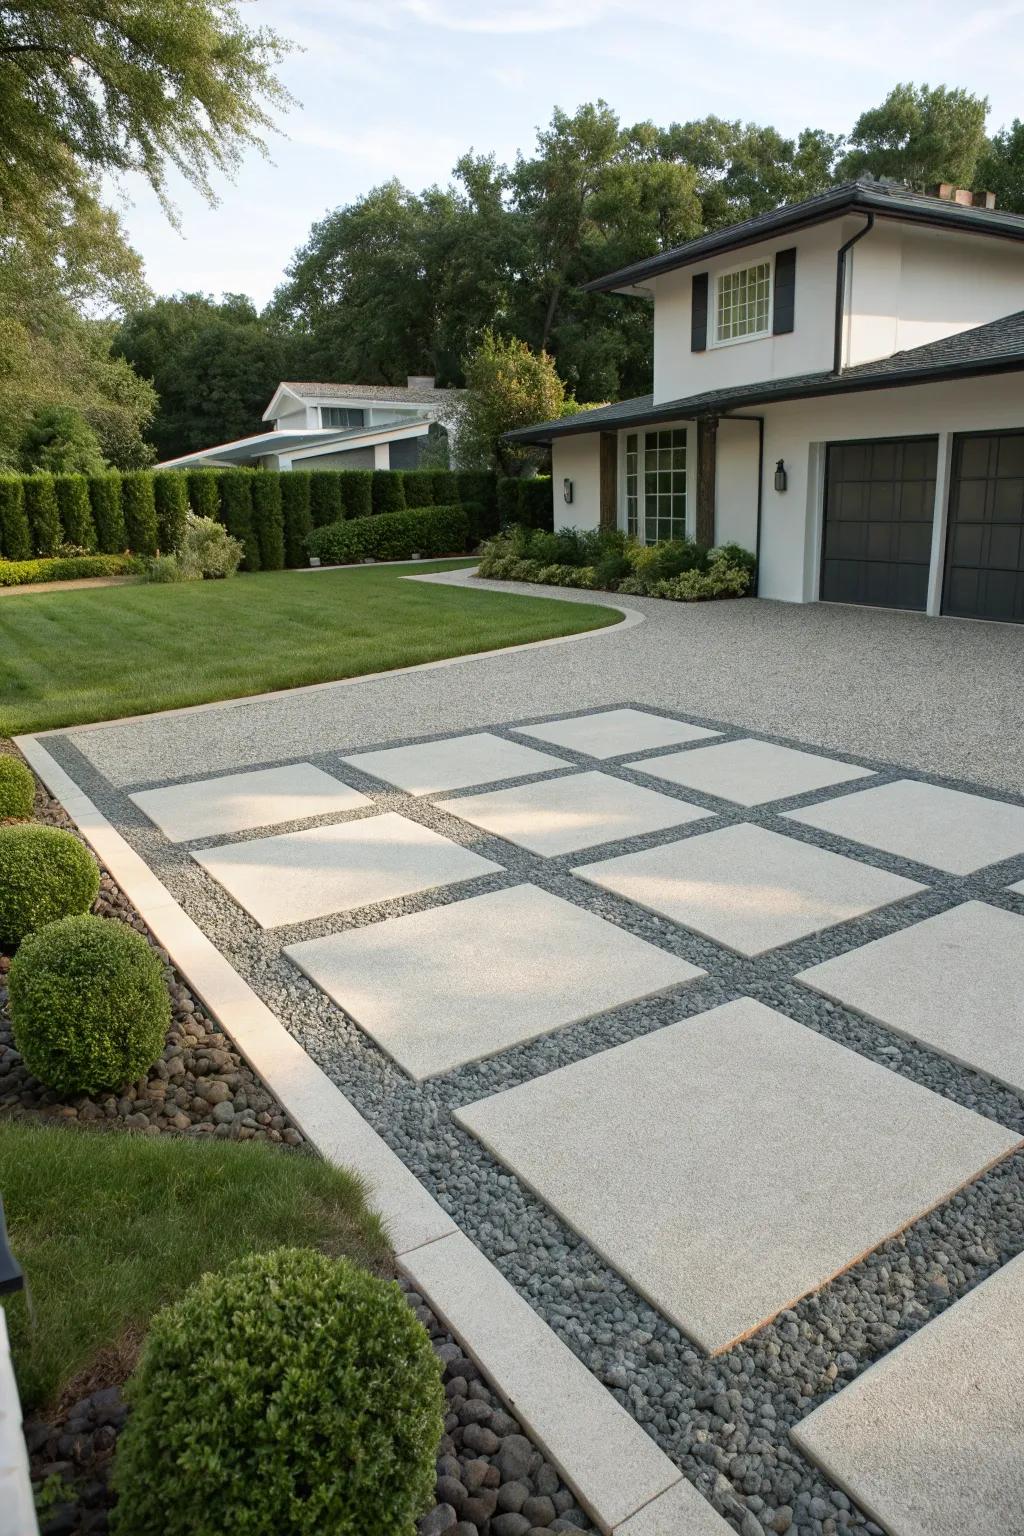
[{"x": 621, "y": 1478}]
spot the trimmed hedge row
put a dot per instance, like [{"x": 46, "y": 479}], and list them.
[
  {"x": 25, "y": 573},
  {"x": 393, "y": 535},
  {"x": 526, "y": 503}
]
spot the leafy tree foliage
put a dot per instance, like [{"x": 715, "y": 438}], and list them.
[
  {"x": 58, "y": 439},
  {"x": 1001, "y": 167},
  {"x": 920, "y": 135},
  {"x": 507, "y": 386}
]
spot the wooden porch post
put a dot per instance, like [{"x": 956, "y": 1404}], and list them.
[
  {"x": 707, "y": 453},
  {"x": 608, "y": 496}
]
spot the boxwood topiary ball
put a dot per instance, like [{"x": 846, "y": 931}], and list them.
[
  {"x": 45, "y": 873},
  {"x": 89, "y": 1005},
  {"x": 17, "y": 788},
  {"x": 290, "y": 1393}
]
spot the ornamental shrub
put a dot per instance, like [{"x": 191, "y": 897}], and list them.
[
  {"x": 236, "y": 513},
  {"x": 267, "y": 521},
  {"x": 89, "y": 1005},
  {"x": 138, "y": 504},
  {"x": 507, "y": 498},
  {"x": 43, "y": 514},
  {"x": 170, "y": 492},
  {"x": 292, "y": 1393},
  {"x": 17, "y": 789},
  {"x": 22, "y": 573},
  {"x": 356, "y": 492},
  {"x": 75, "y": 511},
  {"x": 325, "y": 505},
  {"x": 295, "y": 489},
  {"x": 536, "y": 506},
  {"x": 392, "y": 535},
  {"x": 15, "y": 538},
  {"x": 387, "y": 494},
  {"x": 45, "y": 873},
  {"x": 207, "y": 550},
  {"x": 203, "y": 495},
  {"x": 107, "y": 513}
]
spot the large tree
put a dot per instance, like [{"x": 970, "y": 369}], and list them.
[
  {"x": 1001, "y": 167},
  {"x": 919, "y": 135}
]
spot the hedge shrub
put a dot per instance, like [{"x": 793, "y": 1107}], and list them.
[
  {"x": 387, "y": 494},
  {"x": 89, "y": 1005},
  {"x": 356, "y": 492},
  {"x": 43, "y": 514},
  {"x": 17, "y": 789},
  {"x": 203, "y": 495},
  {"x": 207, "y": 551},
  {"x": 291, "y": 1392},
  {"x": 15, "y": 538},
  {"x": 392, "y": 535},
  {"x": 107, "y": 513},
  {"x": 605, "y": 559},
  {"x": 267, "y": 519},
  {"x": 45, "y": 873},
  {"x": 418, "y": 487},
  {"x": 75, "y": 511},
  {"x": 527, "y": 502},
  {"x": 325, "y": 497},
  {"x": 170, "y": 491},
  {"x": 236, "y": 512},
  {"x": 23, "y": 573},
  {"x": 138, "y": 504},
  {"x": 295, "y": 488}
]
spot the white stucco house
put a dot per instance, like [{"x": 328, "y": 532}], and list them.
[
  {"x": 335, "y": 426},
  {"x": 838, "y": 386}
]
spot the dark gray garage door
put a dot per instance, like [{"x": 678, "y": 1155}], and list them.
[
  {"x": 985, "y": 540},
  {"x": 879, "y": 507}
]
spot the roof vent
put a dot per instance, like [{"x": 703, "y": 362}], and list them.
[
  {"x": 962, "y": 195},
  {"x": 421, "y": 381}
]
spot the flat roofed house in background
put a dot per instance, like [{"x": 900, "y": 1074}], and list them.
[
  {"x": 336, "y": 426},
  {"x": 838, "y": 386}
]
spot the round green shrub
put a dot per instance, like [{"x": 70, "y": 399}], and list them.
[
  {"x": 290, "y": 1393},
  {"x": 17, "y": 789},
  {"x": 89, "y": 1005},
  {"x": 45, "y": 874}
]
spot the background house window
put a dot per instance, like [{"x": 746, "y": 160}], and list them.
[
  {"x": 743, "y": 302},
  {"x": 632, "y": 484},
  {"x": 664, "y": 515},
  {"x": 341, "y": 416}
]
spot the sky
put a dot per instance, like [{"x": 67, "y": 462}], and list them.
[{"x": 401, "y": 88}]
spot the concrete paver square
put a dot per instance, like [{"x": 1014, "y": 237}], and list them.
[
  {"x": 554, "y": 816},
  {"x": 945, "y": 828},
  {"x": 928, "y": 1440},
  {"x": 297, "y": 876},
  {"x": 750, "y": 772},
  {"x": 613, "y": 732},
  {"x": 955, "y": 982},
  {"x": 748, "y": 888},
  {"x": 459, "y": 982},
  {"x": 455, "y": 763},
  {"x": 731, "y": 1163},
  {"x": 239, "y": 802}
]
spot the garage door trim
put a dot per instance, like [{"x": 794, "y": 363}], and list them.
[{"x": 948, "y": 566}]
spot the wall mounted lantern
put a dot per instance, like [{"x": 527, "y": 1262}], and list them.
[
  {"x": 567, "y": 492},
  {"x": 780, "y": 475}
]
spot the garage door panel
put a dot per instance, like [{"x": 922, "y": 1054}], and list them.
[
  {"x": 879, "y": 506},
  {"x": 985, "y": 540},
  {"x": 1010, "y": 455},
  {"x": 975, "y": 453},
  {"x": 1007, "y": 500},
  {"x": 1004, "y": 546},
  {"x": 914, "y": 544}
]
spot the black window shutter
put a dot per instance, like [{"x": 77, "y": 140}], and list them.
[
  {"x": 785, "y": 291},
  {"x": 699, "y": 313}
]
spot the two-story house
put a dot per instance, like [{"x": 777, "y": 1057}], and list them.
[
  {"x": 335, "y": 426},
  {"x": 838, "y": 386}
]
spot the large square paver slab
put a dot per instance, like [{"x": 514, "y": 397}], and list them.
[
  {"x": 241, "y": 801},
  {"x": 297, "y": 876},
  {"x": 614, "y": 732},
  {"x": 945, "y": 828},
  {"x": 929, "y": 1440},
  {"x": 563, "y": 815},
  {"x": 750, "y": 772},
  {"x": 748, "y": 888},
  {"x": 455, "y": 763},
  {"x": 439, "y": 988},
  {"x": 955, "y": 982},
  {"x": 731, "y": 1163}
]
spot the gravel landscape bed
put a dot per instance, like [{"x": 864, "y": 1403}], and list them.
[{"x": 725, "y": 1421}]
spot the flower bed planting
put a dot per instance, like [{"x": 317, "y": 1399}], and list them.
[{"x": 607, "y": 560}]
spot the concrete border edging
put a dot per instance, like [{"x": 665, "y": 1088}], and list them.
[{"x": 612, "y": 1465}]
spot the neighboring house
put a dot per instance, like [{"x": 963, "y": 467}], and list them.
[
  {"x": 838, "y": 385},
  {"x": 335, "y": 426}
]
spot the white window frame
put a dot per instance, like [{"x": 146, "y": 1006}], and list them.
[
  {"x": 641, "y": 434},
  {"x": 735, "y": 341}
]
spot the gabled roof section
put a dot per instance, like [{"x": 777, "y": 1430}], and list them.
[
  {"x": 997, "y": 347},
  {"x": 246, "y": 450},
  {"x": 883, "y": 198}
]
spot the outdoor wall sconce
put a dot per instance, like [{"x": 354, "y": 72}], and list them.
[
  {"x": 567, "y": 492},
  {"x": 780, "y": 475}
]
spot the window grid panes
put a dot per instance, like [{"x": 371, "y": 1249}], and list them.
[
  {"x": 341, "y": 416},
  {"x": 632, "y": 484},
  {"x": 742, "y": 302},
  {"x": 664, "y": 472}
]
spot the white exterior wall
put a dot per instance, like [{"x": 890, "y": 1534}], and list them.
[
  {"x": 797, "y": 430},
  {"x": 579, "y": 460},
  {"x": 296, "y": 421},
  {"x": 735, "y": 483}
]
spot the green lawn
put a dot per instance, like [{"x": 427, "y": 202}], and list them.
[
  {"x": 109, "y": 1227},
  {"x": 67, "y": 658}
]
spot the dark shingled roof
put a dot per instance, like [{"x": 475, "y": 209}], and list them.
[
  {"x": 997, "y": 347},
  {"x": 883, "y": 198}
]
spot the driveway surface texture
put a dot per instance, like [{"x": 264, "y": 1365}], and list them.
[{"x": 683, "y": 967}]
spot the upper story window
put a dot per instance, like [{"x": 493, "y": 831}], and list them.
[
  {"x": 341, "y": 416},
  {"x": 743, "y": 303}
]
